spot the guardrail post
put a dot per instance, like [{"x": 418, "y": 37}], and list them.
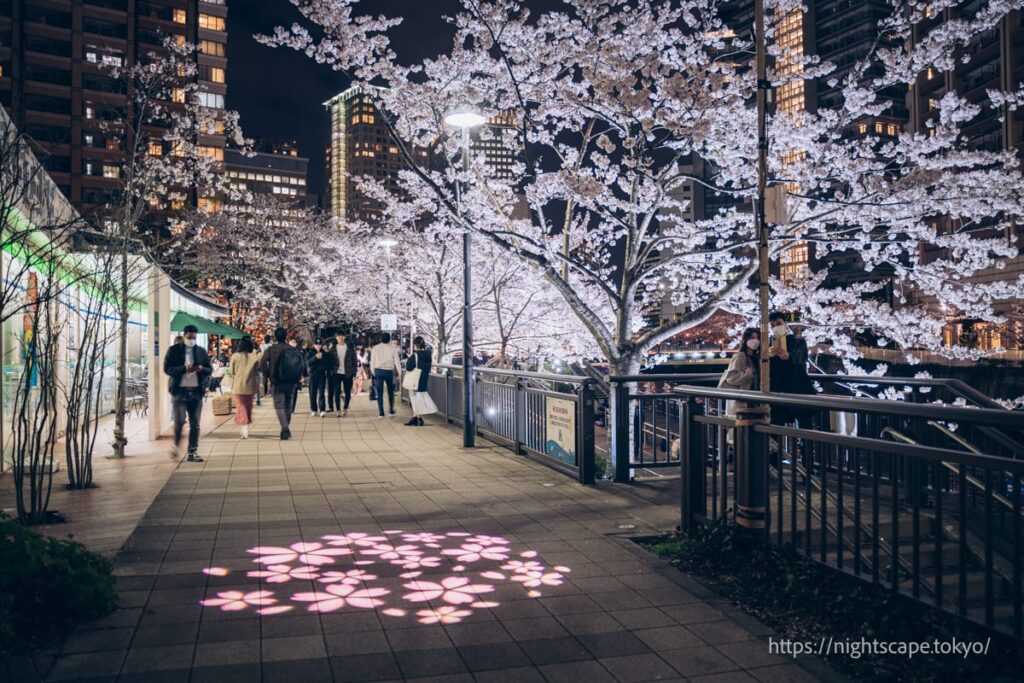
[
  {"x": 751, "y": 467},
  {"x": 519, "y": 414},
  {"x": 693, "y": 501},
  {"x": 585, "y": 432},
  {"x": 621, "y": 426},
  {"x": 447, "y": 396}
]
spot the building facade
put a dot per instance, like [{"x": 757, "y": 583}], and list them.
[
  {"x": 52, "y": 81},
  {"x": 275, "y": 170}
]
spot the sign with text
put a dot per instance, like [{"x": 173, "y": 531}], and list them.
[
  {"x": 389, "y": 322},
  {"x": 561, "y": 429}
]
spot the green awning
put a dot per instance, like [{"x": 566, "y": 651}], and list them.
[{"x": 204, "y": 326}]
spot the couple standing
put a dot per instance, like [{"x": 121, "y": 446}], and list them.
[{"x": 386, "y": 368}]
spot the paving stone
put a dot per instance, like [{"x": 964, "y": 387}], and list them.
[
  {"x": 227, "y": 652},
  {"x": 376, "y": 667},
  {"x": 574, "y": 672},
  {"x": 617, "y": 616},
  {"x": 432, "y": 662},
  {"x": 639, "y": 668},
  {"x": 493, "y": 656},
  {"x": 305, "y": 670},
  {"x": 555, "y": 650},
  {"x": 695, "y": 661}
]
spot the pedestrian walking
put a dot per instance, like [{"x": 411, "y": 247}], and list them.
[
  {"x": 284, "y": 365},
  {"x": 321, "y": 363},
  {"x": 245, "y": 382},
  {"x": 386, "y": 366},
  {"x": 264, "y": 380},
  {"x": 417, "y": 381},
  {"x": 346, "y": 365},
  {"x": 188, "y": 366},
  {"x": 362, "y": 370}
]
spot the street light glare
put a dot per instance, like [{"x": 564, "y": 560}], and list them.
[{"x": 464, "y": 117}]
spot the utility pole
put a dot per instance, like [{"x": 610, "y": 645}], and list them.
[{"x": 763, "y": 89}]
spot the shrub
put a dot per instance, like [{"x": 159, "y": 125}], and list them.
[
  {"x": 48, "y": 586},
  {"x": 805, "y": 601}
]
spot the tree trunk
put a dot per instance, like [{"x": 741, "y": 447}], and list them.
[
  {"x": 121, "y": 378},
  {"x": 629, "y": 365}
]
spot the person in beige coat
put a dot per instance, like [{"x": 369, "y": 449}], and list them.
[
  {"x": 743, "y": 368},
  {"x": 245, "y": 382}
]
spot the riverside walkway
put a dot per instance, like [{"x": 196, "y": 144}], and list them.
[{"x": 365, "y": 550}]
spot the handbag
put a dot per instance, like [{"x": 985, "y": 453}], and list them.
[{"x": 411, "y": 380}]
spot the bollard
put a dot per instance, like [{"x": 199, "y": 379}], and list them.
[
  {"x": 751, "y": 467},
  {"x": 693, "y": 499}
]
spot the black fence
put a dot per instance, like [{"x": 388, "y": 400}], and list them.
[
  {"x": 547, "y": 417},
  {"x": 893, "y": 492}
]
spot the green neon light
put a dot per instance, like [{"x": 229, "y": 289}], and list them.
[{"x": 73, "y": 277}]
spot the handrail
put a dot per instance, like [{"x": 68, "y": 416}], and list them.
[
  {"x": 574, "y": 379},
  {"x": 866, "y": 405}
]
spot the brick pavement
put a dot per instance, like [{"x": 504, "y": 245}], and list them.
[{"x": 487, "y": 567}]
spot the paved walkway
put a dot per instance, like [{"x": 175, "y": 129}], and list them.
[{"x": 364, "y": 550}]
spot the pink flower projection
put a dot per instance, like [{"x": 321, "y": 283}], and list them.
[{"x": 455, "y": 563}]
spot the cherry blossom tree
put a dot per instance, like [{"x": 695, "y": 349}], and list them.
[
  {"x": 169, "y": 136},
  {"x": 615, "y": 100}
]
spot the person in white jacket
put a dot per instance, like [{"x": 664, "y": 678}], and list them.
[{"x": 385, "y": 367}]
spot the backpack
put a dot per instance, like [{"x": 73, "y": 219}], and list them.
[{"x": 290, "y": 367}]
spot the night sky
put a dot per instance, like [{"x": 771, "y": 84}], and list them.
[{"x": 279, "y": 92}]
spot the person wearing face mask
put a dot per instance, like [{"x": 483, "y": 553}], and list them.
[
  {"x": 788, "y": 358},
  {"x": 188, "y": 366},
  {"x": 321, "y": 362},
  {"x": 744, "y": 367}
]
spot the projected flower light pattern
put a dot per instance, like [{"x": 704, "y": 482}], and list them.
[{"x": 450, "y": 574}]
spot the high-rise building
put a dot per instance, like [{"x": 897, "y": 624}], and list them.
[
  {"x": 52, "y": 83},
  {"x": 996, "y": 62},
  {"x": 360, "y": 145},
  {"x": 275, "y": 170}
]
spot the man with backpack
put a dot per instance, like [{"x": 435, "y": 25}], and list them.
[{"x": 285, "y": 366}]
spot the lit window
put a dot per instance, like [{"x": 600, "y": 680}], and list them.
[
  {"x": 90, "y": 111},
  {"x": 91, "y": 56},
  {"x": 156, "y": 148},
  {"x": 879, "y": 128},
  {"x": 891, "y": 129},
  {"x": 178, "y": 95},
  {"x": 208, "y": 21},
  {"x": 211, "y": 47},
  {"x": 930, "y": 73},
  {"x": 211, "y": 100},
  {"x": 179, "y": 39},
  {"x": 211, "y": 152},
  {"x": 88, "y": 139},
  {"x": 179, "y": 16},
  {"x": 111, "y": 171},
  {"x": 209, "y": 205}
]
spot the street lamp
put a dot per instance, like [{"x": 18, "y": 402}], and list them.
[
  {"x": 387, "y": 243},
  {"x": 466, "y": 118}
]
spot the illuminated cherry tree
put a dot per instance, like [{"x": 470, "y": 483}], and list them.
[
  {"x": 169, "y": 130},
  {"x": 616, "y": 101}
]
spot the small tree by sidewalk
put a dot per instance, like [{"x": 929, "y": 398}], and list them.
[{"x": 168, "y": 133}]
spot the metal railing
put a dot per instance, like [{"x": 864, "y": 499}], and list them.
[
  {"x": 547, "y": 417},
  {"x": 939, "y": 523}
]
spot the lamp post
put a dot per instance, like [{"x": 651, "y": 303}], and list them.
[
  {"x": 465, "y": 119},
  {"x": 387, "y": 243}
]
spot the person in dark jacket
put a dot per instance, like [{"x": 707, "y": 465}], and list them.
[
  {"x": 321, "y": 363},
  {"x": 788, "y": 368},
  {"x": 345, "y": 367},
  {"x": 420, "y": 359},
  {"x": 188, "y": 366},
  {"x": 283, "y": 390}
]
